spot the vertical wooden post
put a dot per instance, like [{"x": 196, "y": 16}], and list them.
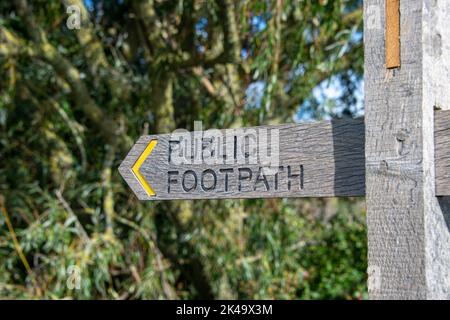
[{"x": 408, "y": 226}]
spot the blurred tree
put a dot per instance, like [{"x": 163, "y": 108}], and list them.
[{"x": 72, "y": 101}]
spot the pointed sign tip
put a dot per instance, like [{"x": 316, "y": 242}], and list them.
[{"x": 136, "y": 168}]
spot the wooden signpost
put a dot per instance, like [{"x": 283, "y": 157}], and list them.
[
  {"x": 324, "y": 159},
  {"x": 408, "y": 225},
  {"x": 398, "y": 156}
]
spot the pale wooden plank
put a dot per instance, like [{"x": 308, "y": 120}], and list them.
[
  {"x": 442, "y": 152},
  {"x": 326, "y": 158},
  {"x": 347, "y": 144}
]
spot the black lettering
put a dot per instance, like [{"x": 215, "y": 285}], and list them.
[
  {"x": 213, "y": 174},
  {"x": 246, "y": 148},
  {"x": 205, "y": 143},
  {"x": 224, "y": 147},
  {"x": 280, "y": 168},
  {"x": 235, "y": 148},
  {"x": 251, "y": 143},
  {"x": 226, "y": 171},
  {"x": 261, "y": 177},
  {"x": 301, "y": 176},
  {"x": 241, "y": 177},
  {"x": 194, "y": 176},
  {"x": 293, "y": 176},
  {"x": 170, "y": 180}
]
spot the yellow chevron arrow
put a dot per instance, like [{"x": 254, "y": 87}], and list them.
[{"x": 144, "y": 155}]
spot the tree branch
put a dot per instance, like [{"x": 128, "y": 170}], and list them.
[
  {"x": 67, "y": 71},
  {"x": 93, "y": 49},
  {"x": 231, "y": 35},
  {"x": 95, "y": 54},
  {"x": 11, "y": 45}
]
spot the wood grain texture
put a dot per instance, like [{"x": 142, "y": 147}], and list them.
[
  {"x": 322, "y": 159},
  {"x": 435, "y": 40},
  {"x": 442, "y": 152},
  {"x": 407, "y": 259},
  {"x": 392, "y": 34},
  {"x": 335, "y": 142},
  {"x": 394, "y": 155}
]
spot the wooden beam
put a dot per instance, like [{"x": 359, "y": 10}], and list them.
[
  {"x": 322, "y": 159},
  {"x": 331, "y": 154},
  {"x": 408, "y": 237},
  {"x": 442, "y": 152}
]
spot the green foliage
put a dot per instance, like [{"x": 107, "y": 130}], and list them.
[
  {"x": 277, "y": 253},
  {"x": 73, "y": 101}
]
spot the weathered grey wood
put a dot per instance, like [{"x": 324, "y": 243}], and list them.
[
  {"x": 347, "y": 149},
  {"x": 442, "y": 152},
  {"x": 328, "y": 155},
  {"x": 408, "y": 238}
]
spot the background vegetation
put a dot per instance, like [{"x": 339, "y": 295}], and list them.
[{"x": 72, "y": 102}]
